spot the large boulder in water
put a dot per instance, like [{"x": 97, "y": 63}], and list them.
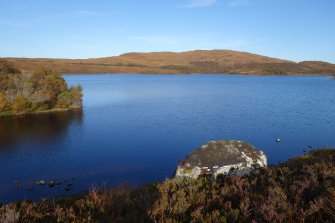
[{"x": 228, "y": 157}]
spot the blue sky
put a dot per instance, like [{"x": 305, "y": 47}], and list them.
[{"x": 289, "y": 29}]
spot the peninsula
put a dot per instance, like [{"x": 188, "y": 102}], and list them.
[
  {"x": 35, "y": 91},
  {"x": 198, "y": 61}
]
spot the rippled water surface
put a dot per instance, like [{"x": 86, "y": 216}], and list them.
[{"x": 135, "y": 128}]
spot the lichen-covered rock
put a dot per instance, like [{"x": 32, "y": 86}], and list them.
[{"x": 228, "y": 157}]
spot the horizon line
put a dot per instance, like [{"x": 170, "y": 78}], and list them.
[{"x": 144, "y": 52}]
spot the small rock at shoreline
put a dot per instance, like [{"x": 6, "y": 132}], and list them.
[{"x": 40, "y": 182}]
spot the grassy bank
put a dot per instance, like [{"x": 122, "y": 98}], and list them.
[
  {"x": 7, "y": 114},
  {"x": 299, "y": 190}
]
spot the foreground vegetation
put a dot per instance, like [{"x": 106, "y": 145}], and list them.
[
  {"x": 43, "y": 90},
  {"x": 299, "y": 190}
]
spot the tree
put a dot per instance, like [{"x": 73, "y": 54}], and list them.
[
  {"x": 20, "y": 104},
  {"x": 65, "y": 99},
  {"x": 2, "y": 101},
  {"x": 77, "y": 96},
  {"x": 42, "y": 90}
]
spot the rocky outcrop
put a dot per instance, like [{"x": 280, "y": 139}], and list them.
[{"x": 227, "y": 157}]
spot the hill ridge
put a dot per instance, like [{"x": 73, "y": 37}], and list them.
[{"x": 188, "y": 62}]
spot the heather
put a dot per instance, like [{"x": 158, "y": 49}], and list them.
[{"x": 299, "y": 190}]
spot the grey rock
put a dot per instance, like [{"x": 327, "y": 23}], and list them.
[{"x": 227, "y": 157}]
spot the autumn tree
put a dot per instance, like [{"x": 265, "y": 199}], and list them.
[
  {"x": 37, "y": 91},
  {"x": 2, "y": 102},
  {"x": 20, "y": 104}
]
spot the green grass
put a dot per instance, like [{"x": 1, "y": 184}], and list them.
[{"x": 6, "y": 113}]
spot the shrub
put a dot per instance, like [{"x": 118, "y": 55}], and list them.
[
  {"x": 42, "y": 90},
  {"x": 2, "y": 102},
  {"x": 20, "y": 104}
]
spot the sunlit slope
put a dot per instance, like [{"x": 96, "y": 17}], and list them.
[{"x": 199, "y": 61}]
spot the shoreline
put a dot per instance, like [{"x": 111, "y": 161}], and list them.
[
  {"x": 296, "y": 160},
  {"x": 8, "y": 114},
  {"x": 196, "y": 74},
  {"x": 175, "y": 199}
]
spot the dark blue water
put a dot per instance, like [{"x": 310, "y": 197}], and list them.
[{"x": 135, "y": 128}]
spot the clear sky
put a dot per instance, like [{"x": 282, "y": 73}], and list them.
[{"x": 289, "y": 29}]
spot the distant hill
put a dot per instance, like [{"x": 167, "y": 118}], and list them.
[{"x": 199, "y": 61}]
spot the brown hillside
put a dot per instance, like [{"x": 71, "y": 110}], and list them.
[{"x": 199, "y": 61}]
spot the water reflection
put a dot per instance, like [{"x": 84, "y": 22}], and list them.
[
  {"x": 31, "y": 149},
  {"x": 136, "y": 128},
  {"x": 46, "y": 126}
]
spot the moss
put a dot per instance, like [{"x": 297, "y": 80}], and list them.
[
  {"x": 188, "y": 171},
  {"x": 6, "y": 113},
  {"x": 222, "y": 152}
]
